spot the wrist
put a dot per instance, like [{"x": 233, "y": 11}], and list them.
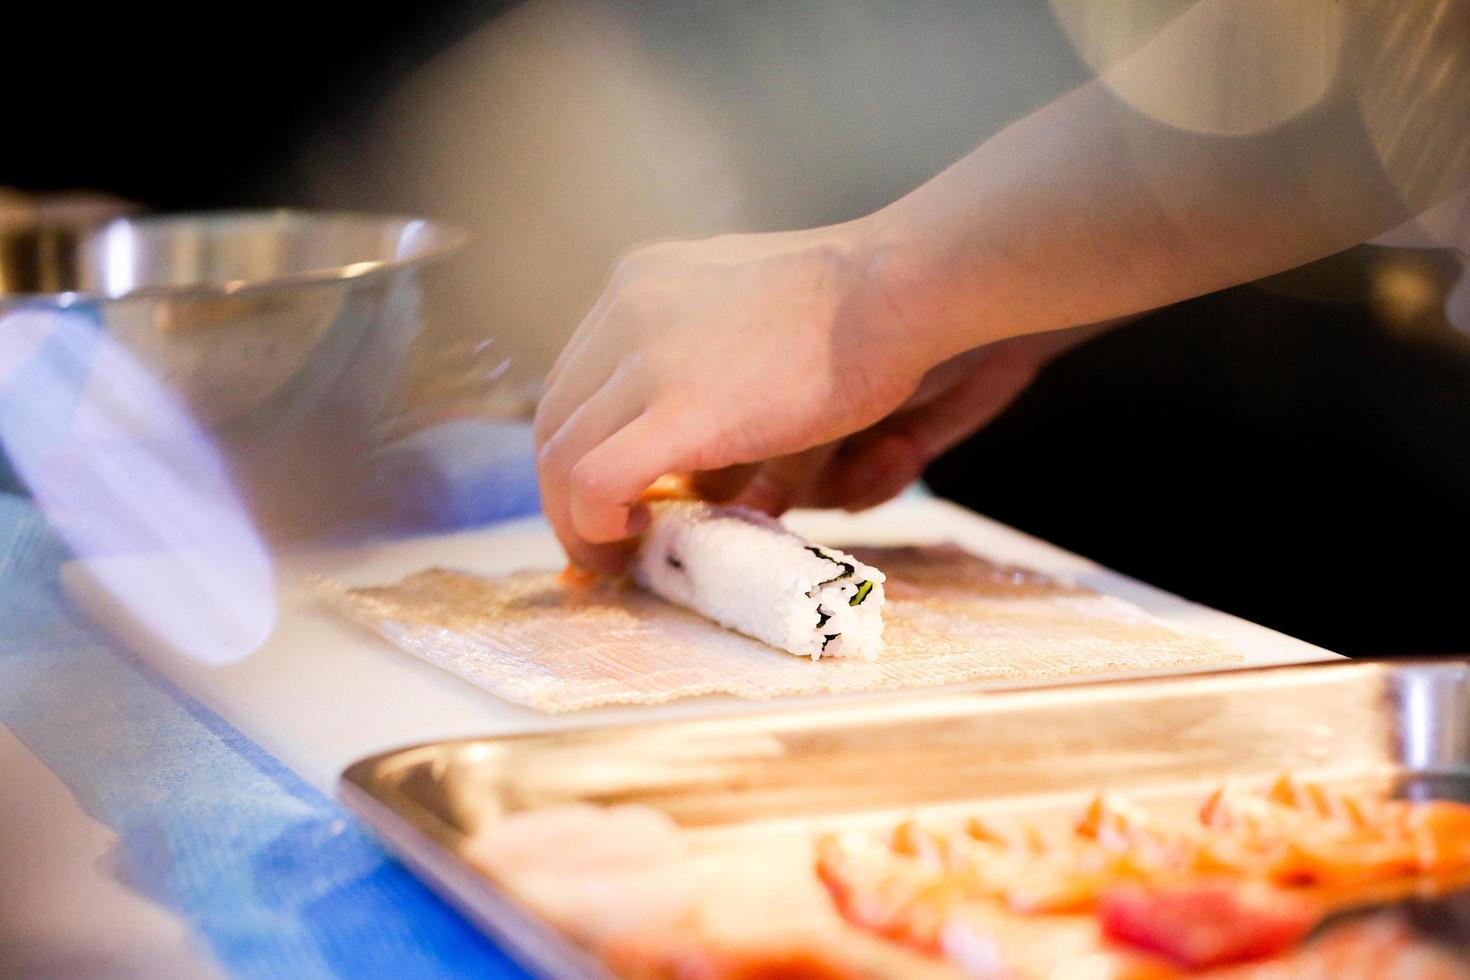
[
  {"x": 894, "y": 291},
  {"x": 936, "y": 289}
]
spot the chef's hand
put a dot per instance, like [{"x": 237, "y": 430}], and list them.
[
  {"x": 705, "y": 355},
  {"x": 748, "y": 348},
  {"x": 866, "y": 468}
]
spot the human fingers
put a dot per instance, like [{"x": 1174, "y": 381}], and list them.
[
  {"x": 723, "y": 485},
  {"x": 611, "y": 408},
  {"x": 878, "y": 464},
  {"x": 781, "y": 483},
  {"x": 605, "y": 485},
  {"x": 598, "y": 312},
  {"x": 581, "y": 378}
]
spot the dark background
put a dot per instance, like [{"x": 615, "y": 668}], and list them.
[
  {"x": 1296, "y": 460},
  {"x": 205, "y": 108},
  {"x": 1285, "y": 451}
]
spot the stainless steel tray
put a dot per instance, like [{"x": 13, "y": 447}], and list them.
[{"x": 1402, "y": 723}]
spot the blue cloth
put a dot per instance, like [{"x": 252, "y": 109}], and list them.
[
  {"x": 276, "y": 879},
  {"x": 458, "y": 474}
]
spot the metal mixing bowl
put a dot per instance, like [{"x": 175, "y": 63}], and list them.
[{"x": 281, "y": 336}]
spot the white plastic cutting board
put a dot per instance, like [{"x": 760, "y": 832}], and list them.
[{"x": 321, "y": 693}]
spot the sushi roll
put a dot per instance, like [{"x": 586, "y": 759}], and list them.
[{"x": 748, "y": 573}]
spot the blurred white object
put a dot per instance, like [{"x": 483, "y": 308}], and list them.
[
  {"x": 1225, "y": 67},
  {"x": 123, "y": 473}
]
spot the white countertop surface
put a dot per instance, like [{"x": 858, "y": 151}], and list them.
[{"x": 320, "y": 693}]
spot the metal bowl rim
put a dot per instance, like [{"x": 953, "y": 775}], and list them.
[{"x": 449, "y": 238}]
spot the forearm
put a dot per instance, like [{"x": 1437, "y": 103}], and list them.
[
  {"x": 1089, "y": 210},
  {"x": 1346, "y": 119}
]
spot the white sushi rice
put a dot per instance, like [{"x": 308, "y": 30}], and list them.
[{"x": 748, "y": 573}]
